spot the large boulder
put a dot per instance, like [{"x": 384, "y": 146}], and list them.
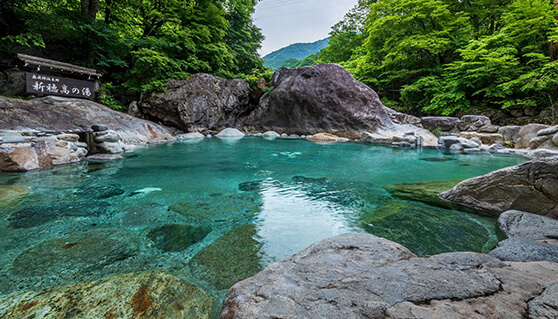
[
  {"x": 66, "y": 114},
  {"x": 364, "y": 276},
  {"x": 22, "y": 157},
  {"x": 530, "y": 187},
  {"x": 473, "y": 122},
  {"x": 319, "y": 98},
  {"x": 442, "y": 123},
  {"x": 527, "y": 133},
  {"x": 203, "y": 101}
]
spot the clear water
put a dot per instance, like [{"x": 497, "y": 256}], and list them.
[{"x": 235, "y": 206}]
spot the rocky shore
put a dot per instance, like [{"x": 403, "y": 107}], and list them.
[{"x": 352, "y": 276}]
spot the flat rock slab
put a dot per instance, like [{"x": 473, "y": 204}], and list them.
[
  {"x": 520, "y": 249},
  {"x": 356, "y": 276},
  {"x": 529, "y": 226},
  {"x": 151, "y": 294}
]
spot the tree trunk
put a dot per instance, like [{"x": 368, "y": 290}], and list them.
[{"x": 90, "y": 8}]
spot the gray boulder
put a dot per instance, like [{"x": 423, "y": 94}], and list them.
[
  {"x": 270, "y": 134},
  {"x": 230, "y": 132},
  {"x": 531, "y": 187},
  {"x": 357, "y": 276},
  {"x": 510, "y": 133},
  {"x": 521, "y": 249},
  {"x": 203, "y": 101},
  {"x": 443, "y": 123},
  {"x": 529, "y": 226},
  {"x": 473, "y": 122},
  {"x": 545, "y": 305},
  {"x": 486, "y": 138},
  {"x": 189, "y": 136},
  {"x": 313, "y": 99},
  {"x": 527, "y": 133}
]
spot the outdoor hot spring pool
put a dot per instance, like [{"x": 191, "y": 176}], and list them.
[{"x": 216, "y": 211}]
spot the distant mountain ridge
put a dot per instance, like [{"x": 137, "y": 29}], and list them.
[{"x": 297, "y": 51}]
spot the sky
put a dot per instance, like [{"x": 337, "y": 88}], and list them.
[{"x": 285, "y": 22}]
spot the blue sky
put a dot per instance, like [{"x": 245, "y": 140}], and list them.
[{"x": 285, "y": 22}]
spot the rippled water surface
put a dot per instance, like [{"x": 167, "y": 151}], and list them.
[{"x": 217, "y": 211}]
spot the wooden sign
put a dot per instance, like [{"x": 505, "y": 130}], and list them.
[{"x": 42, "y": 84}]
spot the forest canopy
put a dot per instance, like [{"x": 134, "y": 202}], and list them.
[
  {"x": 440, "y": 56},
  {"x": 136, "y": 44}
]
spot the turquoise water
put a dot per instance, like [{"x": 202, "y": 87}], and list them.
[{"x": 217, "y": 211}]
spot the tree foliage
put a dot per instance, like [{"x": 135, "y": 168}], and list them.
[
  {"x": 440, "y": 56},
  {"x": 136, "y": 44}
]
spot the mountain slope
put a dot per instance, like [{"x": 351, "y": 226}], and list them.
[{"x": 297, "y": 51}]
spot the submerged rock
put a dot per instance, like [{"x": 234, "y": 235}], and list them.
[
  {"x": 177, "y": 237},
  {"x": 428, "y": 230},
  {"x": 99, "y": 191},
  {"x": 327, "y": 137},
  {"x": 37, "y": 215},
  {"x": 77, "y": 253},
  {"x": 231, "y": 258},
  {"x": 530, "y": 187},
  {"x": 10, "y": 195},
  {"x": 150, "y": 294},
  {"x": 426, "y": 192},
  {"x": 222, "y": 208},
  {"x": 357, "y": 276}
]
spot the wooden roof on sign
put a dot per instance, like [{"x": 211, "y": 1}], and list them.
[{"x": 67, "y": 67}]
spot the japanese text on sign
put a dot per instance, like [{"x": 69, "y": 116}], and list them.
[{"x": 53, "y": 85}]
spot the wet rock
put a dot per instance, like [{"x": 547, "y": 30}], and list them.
[
  {"x": 10, "y": 195},
  {"x": 151, "y": 294},
  {"x": 231, "y": 258},
  {"x": 430, "y": 230},
  {"x": 442, "y": 123},
  {"x": 531, "y": 187},
  {"x": 38, "y": 215},
  {"x": 103, "y": 157},
  {"x": 426, "y": 192},
  {"x": 520, "y": 249},
  {"x": 80, "y": 252},
  {"x": 230, "y": 132},
  {"x": 177, "y": 237},
  {"x": 545, "y": 305},
  {"x": 99, "y": 191},
  {"x": 529, "y": 226},
  {"x": 355, "y": 276}
]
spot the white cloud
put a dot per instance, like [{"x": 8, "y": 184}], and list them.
[{"x": 285, "y": 22}]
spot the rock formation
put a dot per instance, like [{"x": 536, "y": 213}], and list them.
[
  {"x": 61, "y": 114},
  {"x": 201, "y": 102},
  {"x": 364, "y": 276},
  {"x": 530, "y": 187}
]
